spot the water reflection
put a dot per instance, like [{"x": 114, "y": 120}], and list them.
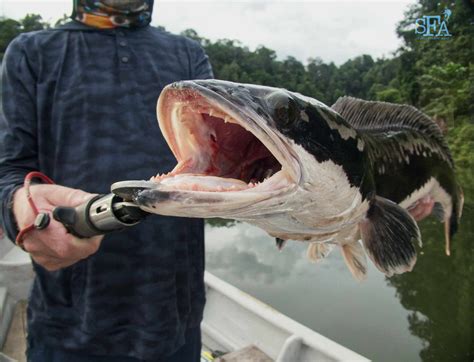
[
  {"x": 439, "y": 294},
  {"x": 237, "y": 255},
  {"x": 322, "y": 296},
  {"x": 423, "y": 315}
]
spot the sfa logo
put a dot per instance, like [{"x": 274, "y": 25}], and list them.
[{"x": 432, "y": 27}]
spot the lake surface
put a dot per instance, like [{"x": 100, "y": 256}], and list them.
[{"x": 425, "y": 315}]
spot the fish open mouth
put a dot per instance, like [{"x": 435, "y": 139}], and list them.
[{"x": 219, "y": 146}]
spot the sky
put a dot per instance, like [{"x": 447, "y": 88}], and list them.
[{"x": 332, "y": 30}]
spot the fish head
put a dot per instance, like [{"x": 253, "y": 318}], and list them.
[
  {"x": 230, "y": 154},
  {"x": 238, "y": 151}
]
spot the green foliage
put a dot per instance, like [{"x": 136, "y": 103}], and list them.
[
  {"x": 420, "y": 55},
  {"x": 392, "y": 95},
  {"x": 445, "y": 92},
  {"x": 32, "y": 22},
  {"x": 461, "y": 142},
  {"x": 10, "y": 28}
]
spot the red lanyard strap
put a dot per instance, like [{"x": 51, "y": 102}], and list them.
[{"x": 42, "y": 219}]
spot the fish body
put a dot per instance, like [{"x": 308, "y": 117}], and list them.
[{"x": 301, "y": 170}]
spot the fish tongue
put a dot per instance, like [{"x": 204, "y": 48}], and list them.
[{"x": 197, "y": 182}]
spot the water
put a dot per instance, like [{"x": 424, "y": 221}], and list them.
[{"x": 425, "y": 315}]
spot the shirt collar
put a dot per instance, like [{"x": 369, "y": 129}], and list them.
[{"x": 78, "y": 26}]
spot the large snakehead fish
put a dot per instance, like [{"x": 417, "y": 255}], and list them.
[{"x": 301, "y": 170}]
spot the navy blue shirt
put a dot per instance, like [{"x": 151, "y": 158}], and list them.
[{"x": 79, "y": 104}]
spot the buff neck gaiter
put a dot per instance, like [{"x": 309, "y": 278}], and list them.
[{"x": 108, "y": 14}]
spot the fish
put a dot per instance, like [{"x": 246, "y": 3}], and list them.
[{"x": 349, "y": 176}]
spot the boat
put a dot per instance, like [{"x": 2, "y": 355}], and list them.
[{"x": 236, "y": 326}]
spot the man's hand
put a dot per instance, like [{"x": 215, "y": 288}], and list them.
[{"x": 53, "y": 248}]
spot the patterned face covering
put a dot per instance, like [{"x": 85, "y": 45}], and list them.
[{"x": 107, "y": 14}]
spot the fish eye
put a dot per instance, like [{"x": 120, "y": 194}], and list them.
[{"x": 283, "y": 108}]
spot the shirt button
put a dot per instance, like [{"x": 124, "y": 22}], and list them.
[
  {"x": 123, "y": 43},
  {"x": 125, "y": 59}
]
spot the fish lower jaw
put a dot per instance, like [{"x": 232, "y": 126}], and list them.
[{"x": 199, "y": 182}]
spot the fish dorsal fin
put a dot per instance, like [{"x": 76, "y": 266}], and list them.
[{"x": 373, "y": 117}]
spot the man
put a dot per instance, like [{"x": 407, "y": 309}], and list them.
[{"x": 79, "y": 105}]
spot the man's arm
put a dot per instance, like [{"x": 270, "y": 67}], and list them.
[
  {"x": 53, "y": 248},
  {"x": 18, "y": 144},
  {"x": 202, "y": 68}
]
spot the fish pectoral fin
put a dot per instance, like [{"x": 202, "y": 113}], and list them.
[
  {"x": 354, "y": 256},
  {"x": 422, "y": 208},
  {"x": 388, "y": 233},
  {"x": 318, "y": 251}
]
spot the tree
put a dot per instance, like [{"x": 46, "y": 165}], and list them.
[
  {"x": 63, "y": 20},
  {"x": 192, "y": 34},
  {"x": 32, "y": 22},
  {"x": 9, "y": 29},
  {"x": 445, "y": 92},
  {"x": 389, "y": 95}
]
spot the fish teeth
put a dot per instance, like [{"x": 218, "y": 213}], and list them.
[
  {"x": 268, "y": 173},
  {"x": 229, "y": 119}
]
